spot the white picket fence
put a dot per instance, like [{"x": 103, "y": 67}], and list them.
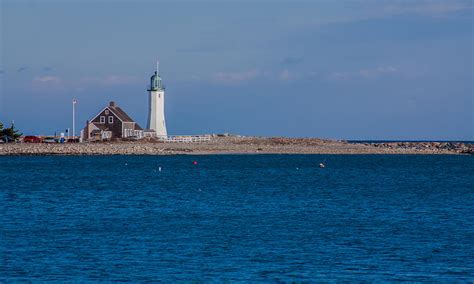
[{"x": 185, "y": 138}]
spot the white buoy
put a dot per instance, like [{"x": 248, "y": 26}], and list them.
[
  {"x": 321, "y": 165},
  {"x": 159, "y": 169}
]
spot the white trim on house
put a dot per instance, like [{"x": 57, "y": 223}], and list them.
[
  {"x": 115, "y": 115},
  {"x": 98, "y": 114},
  {"x": 104, "y": 110}
]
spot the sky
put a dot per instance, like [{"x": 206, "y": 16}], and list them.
[{"x": 368, "y": 69}]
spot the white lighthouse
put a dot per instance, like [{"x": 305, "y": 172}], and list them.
[{"x": 156, "y": 109}]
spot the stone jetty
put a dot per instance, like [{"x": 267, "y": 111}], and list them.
[{"x": 237, "y": 145}]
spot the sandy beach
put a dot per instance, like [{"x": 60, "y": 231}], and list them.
[{"x": 237, "y": 145}]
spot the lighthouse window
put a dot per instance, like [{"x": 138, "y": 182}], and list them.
[
  {"x": 102, "y": 119},
  {"x": 111, "y": 119}
]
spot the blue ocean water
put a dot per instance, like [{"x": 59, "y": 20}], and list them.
[{"x": 237, "y": 218}]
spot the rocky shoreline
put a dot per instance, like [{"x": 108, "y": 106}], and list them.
[{"x": 238, "y": 145}]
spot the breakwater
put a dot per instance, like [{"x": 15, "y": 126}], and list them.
[{"x": 238, "y": 145}]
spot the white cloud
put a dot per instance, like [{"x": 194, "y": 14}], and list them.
[
  {"x": 285, "y": 75},
  {"x": 235, "y": 77},
  {"x": 429, "y": 7},
  {"x": 85, "y": 82},
  {"x": 370, "y": 73},
  {"x": 47, "y": 79},
  {"x": 110, "y": 80}
]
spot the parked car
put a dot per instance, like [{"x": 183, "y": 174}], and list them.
[
  {"x": 49, "y": 140},
  {"x": 32, "y": 139}
]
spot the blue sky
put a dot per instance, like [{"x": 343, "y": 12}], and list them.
[{"x": 335, "y": 69}]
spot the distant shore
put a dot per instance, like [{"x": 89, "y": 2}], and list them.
[{"x": 237, "y": 145}]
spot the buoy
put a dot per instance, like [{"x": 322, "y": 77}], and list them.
[
  {"x": 321, "y": 165},
  {"x": 195, "y": 163},
  {"x": 159, "y": 169}
]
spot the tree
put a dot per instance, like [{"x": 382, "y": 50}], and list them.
[
  {"x": 1, "y": 130},
  {"x": 10, "y": 134}
]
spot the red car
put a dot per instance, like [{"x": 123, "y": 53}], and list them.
[{"x": 32, "y": 139}]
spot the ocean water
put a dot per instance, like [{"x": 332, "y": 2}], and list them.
[{"x": 262, "y": 218}]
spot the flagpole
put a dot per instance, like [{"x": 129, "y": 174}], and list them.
[{"x": 73, "y": 118}]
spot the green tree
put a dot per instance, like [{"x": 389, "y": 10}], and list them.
[{"x": 10, "y": 133}]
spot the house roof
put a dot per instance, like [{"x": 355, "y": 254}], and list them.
[
  {"x": 118, "y": 112},
  {"x": 122, "y": 115}
]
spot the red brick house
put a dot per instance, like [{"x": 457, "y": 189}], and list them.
[{"x": 111, "y": 123}]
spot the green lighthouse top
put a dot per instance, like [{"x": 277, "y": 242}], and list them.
[{"x": 155, "y": 81}]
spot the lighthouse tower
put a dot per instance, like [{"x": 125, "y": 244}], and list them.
[{"x": 156, "y": 109}]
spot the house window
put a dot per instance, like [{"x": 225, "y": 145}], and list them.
[
  {"x": 102, "y": 119},
  {"x": 106, "y": 112},
  {"x": 111, "y": 119}
]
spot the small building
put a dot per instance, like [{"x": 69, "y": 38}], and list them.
[{"x": 111, "y": 123}]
